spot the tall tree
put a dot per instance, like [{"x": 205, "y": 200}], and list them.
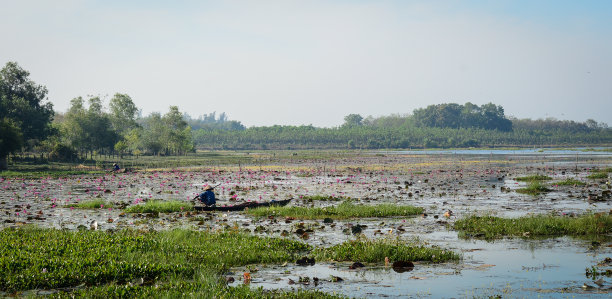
[
  {"x": 123, "y": 113},
  {"x": 22, "y": 103}
]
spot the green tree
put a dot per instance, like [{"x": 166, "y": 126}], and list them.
[
  {"x": 23, "y": 110},
  {"x": 352, "y": 120},
  {"x": 123, "y": 113},
  {"x": 10, "y": 140}
]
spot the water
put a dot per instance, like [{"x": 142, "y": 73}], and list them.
[
  {"x": 538, "y": 151},
  {"x": 513, "y": 268}
]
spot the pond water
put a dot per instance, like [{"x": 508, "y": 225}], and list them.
[
  {"x": 523, "y": 151},
  {"x": 464, "y": 183},
  {"x": 511, "y": 268}
]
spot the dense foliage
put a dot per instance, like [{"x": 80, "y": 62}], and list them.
[{"x": 24, "y": 114}]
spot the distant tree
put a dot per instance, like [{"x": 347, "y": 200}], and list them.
[
  {"x": 123, "y": 113},
  {"x": 23, "y": 110},
  {"x": 10, "y": 140},
  {"x": 352, "y": 120}
]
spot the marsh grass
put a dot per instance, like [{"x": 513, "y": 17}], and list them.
[
  {"x": 570, "y": 182},
  {"x": 36, "y": 174},
  {"x": 160, "y": 206},
  {"x": 532, "y": 178},
  {"x": 375, "y": 251},
  {"x": 33, "y": 258},
  {"x": 598, "y": 175},
  {"x": 346, "y": 209},
  {"x": 319, "y": 197},
  {"x": 490, "y": 227},
  {"x": 534, "y": 188},
  {"x": 92, "y": 204}
]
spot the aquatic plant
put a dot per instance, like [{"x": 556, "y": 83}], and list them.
[
  {"x": 346, "y": 209},
  {"x": 490, "y": 227},
  {"x": 33, "y": 258},
  {"x": 319, "y": 197},
  {"x": 570, "y": 182},
  {"x": 535, "y": 177},
  {"x": 598, "y": 175},
  {"x": 92, "y": 204},
  {"x": 375, "y": 251},
  {"x": 534, "y": 188},
  {"x": 160, "y": 206}
]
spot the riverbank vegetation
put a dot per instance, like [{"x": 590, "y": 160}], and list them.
[
  {"x": 491, "y": 227},
  {"x": 346, "y": 209}
]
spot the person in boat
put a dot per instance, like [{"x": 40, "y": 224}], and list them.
[
  {"x": 208, "y": 196},
  {"x": 116, "y": 167}
]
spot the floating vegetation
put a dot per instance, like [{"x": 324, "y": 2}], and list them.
[
  {"x": 160, "y": 206},
  {"x": 375, "y": 251},
  {"x": 570, "y": 182},
  {"x": 598, "y": 175},
  {"x": 531, "y": 178},
  {"x": 534, "y": 188},
  {"x": 92, "y": 204},
  {"x": 490, "y": 227},
  {"x": 346, "y": 209},
  {"x": 33, "y": 258},
  {"x": 324, "y": 198}
]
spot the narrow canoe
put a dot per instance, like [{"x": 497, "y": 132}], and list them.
[{"x": 242, "y": 206}]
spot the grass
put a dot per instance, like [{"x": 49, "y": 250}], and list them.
[
  {"x": 324, "y": 198},
  {"x": 570, "y": 182},
  {"x": 346, "y": 209},
  {"x": 490, "y": 227},
  {"x": 92, "y": 204},
  {"x": 160, "y": 206},
  {"x": 535, "y": 177},
  {"x": 375, "y": 251},
  {"x": 34, "y": 174},
  {"x": 176, "y": 262},
  {"x": 534, "y": 188},
  {"x": 598, "y": 175}
]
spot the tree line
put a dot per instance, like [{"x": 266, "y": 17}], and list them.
[{"x": 29, "y": 123}]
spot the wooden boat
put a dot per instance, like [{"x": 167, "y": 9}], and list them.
[{"x": 242, "y": 206}]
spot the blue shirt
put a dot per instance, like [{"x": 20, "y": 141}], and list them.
[{"x": 207, "y": 197}]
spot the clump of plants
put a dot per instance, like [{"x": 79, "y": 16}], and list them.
[
  {"x": 375, "y": 251},
  {"x": 319, "y": 197},
  {"x": 346, "y": 209},
  {"x": 160, "y": 206},
  {"x": 92, "y": 204},
  {"x": 127, "y": 262},
  {"x": 532, "y": 178},
  {"x": 534, "y": 188},
  {"x": 598, "y": 175},
  {"x": 570, "y": 182},
  {"x": 491, "y": 227}
]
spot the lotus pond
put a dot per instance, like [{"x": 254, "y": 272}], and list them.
[{"x": 360, "y": 224}]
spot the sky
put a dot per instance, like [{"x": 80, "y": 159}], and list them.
[{"x": 313, "y": 62}]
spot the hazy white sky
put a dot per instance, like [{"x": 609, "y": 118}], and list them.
[{"x": 313, "y": 62}]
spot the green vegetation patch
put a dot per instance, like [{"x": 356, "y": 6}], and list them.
[
  {"x": 570, "y": 182},
  {"x": 534, "y": 188},
  {"x": 535, "y": 177},
  {"x": 32, "y": 258},
  {"x": 375, "y": 251},
  {"x": 598, "y": 175},
  {"x": 160, "y": 206},
  {"x": 324, "y": 198},
  {"x": 92, "y": 204},
  {"x": 346, "y": 209},
  {"x": 210, "y": 288},
  {"x": 47, "y": 174},
  {"x": 490, "y": 227}
]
